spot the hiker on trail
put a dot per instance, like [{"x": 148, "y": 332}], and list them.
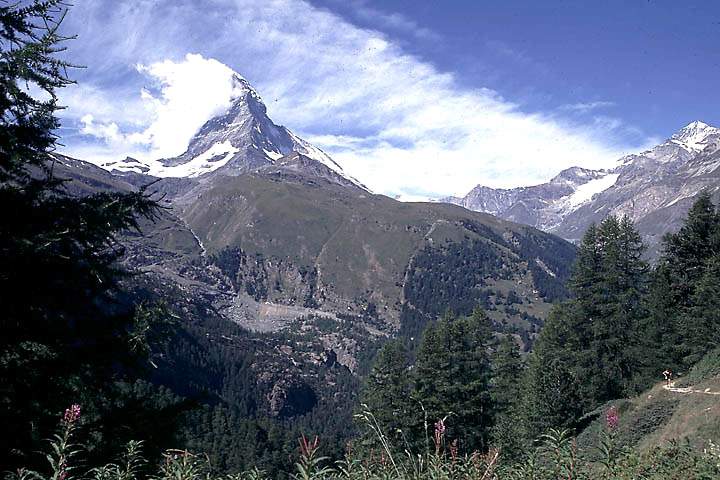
[{"x": 668, "y": 376}]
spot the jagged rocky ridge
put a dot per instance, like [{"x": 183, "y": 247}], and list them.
[{"x": 654, "y": 188}]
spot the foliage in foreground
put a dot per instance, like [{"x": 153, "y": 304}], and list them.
[
  {"x": 67, "y": 330},
  {"x": 555, "y": 456}
]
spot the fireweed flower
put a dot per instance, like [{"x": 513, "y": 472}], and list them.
[
  {"x": 72, "y": 414},
  {"x": 612, "y": 418},
  {"x": 454, "y": 450},
  {"x": 440, "y": 428},
  {"x": 308, "y": 448},
  {"x": 439, "y": 434}
]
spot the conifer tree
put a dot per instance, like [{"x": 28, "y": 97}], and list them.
[
  {"x": 452, "y": 374},
  {"x": 619, "y": 308},
  {"x": 387, "y": 395},
  {"x": 507, "y": 371},
  {"x": 683, "y": 263},
  {"x": 507, "y": 368},
  {"x": 585, "y": 354},
  {"x": 703, "y": 316},
  {"x": 63, "y": 340},
  {"x": 657, "y": 339},
  {"x": 551, "y": 388}
]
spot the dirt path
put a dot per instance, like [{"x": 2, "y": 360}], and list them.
[{"x": 672, "y": 388}]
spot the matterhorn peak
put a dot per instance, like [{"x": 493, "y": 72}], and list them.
[
  {"x": 242, "y": 88},
  {"x": 241, "y": 140}
]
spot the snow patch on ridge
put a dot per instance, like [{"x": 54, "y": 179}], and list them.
[
  {"x": 203, "y": 163},
  {"x": 273, "y": 155},
  {"x": 680, "y": 197},
  {"x": 126, "y": 166},
  {"x": 311, "y": 151},
  {"x": 583, "y": 194},
  {"x": 206, "y": 162},
  {"x": 587, "y": 191}
]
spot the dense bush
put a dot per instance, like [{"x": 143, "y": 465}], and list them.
[{"x": 707, "y": 367}]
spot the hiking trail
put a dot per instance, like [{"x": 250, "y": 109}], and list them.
[{"x": 672, "y": 388}]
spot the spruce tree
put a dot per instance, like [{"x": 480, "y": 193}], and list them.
[
  {"x": 619, "y": 308},
  {"x": 552, "y": 385},
  {"x": 386, "y": 394},
  {"x": 507, "y": 369},
  {"x": 507, "y": 372},
  {"x": 452, "y": 374},
  {"x": 586, "y": 354},
  {"x": 657, "y": 337},
  {"x": 703, "y": 316},
  {"x": 683, "y": 263},
  {"x": 64, "y": 339}
]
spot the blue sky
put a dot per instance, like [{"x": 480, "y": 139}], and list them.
[
  {"x": 654, "y": 62},
  {"x": 414, "y": 98}
]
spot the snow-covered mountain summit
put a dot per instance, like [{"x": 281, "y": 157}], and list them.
[
  {"x": 696, "y": 136},
  {"x": 241, "y": 140}
]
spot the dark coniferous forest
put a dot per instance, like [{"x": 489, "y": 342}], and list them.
[{"x": 116, "y": 376}]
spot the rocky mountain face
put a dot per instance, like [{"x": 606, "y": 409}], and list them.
[
  {"x": 654, "y": 188},
  {"x": 317, "y": 274}
]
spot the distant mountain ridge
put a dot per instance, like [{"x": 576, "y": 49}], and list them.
[
  {"x": 542, "y": 205},
  {"x": 654, "y": 188}
]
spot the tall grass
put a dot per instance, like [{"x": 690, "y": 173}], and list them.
[{"x": 555, "y": 456}]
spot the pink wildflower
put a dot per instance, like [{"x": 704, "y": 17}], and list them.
[
  {"x": 439, "y": 434},
  {"x": 612, "y": 418},
  {"x": 72, "y": 414},
  {"x": 440, "y": 428},
  {"x": 307, "y": 447},
  {"x": 454, "y": 450}
]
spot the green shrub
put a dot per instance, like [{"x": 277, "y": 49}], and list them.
[{"x": 708, "y": 367}]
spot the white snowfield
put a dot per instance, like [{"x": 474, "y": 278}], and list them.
[
  {"x": 272, "y": 154},
  {"x": 210, "y": 160},
  {"x": 587, "y": 191}
]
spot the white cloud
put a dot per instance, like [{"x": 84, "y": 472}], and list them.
[
  {"x": 392, "y": 21},
  {"x": 189, "y": 93},
  {"x": 109, "y": 132},
  {"x": 391, "y": 119},
  {"x": 584, "y": 107}
]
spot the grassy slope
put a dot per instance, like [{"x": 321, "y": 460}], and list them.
[
  {"x": 659, "y": 415},
  {"x": 361, "y": 244}
]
